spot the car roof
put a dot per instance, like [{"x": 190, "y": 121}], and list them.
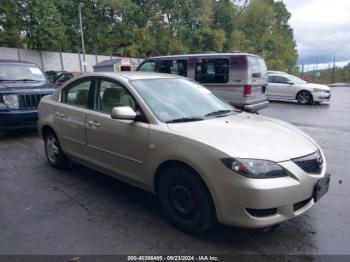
[
  {"x": 133, "y": 75},
  {"x": 276, "y": 73},
  {"x": 202, "y": 55},
  {"x": 15, "y": 61}
]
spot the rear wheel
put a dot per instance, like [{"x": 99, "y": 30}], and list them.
[
  {"x": 304, "y": 97},
  {"x": 54, "y": 154},
  {"x": 186, "y": 200}
]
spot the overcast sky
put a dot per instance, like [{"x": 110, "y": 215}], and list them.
[{"x": 321, "y": 29}]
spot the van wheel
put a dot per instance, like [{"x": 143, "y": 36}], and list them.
[
  {"x": 304, "y": 97},
  {"x": 54, "y": 154},
  {"x": 186, "y": 200}
]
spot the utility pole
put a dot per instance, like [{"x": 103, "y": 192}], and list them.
[
  {"x": 302, "y": 71},
  {"x": 333, "y": 70},
  {"x": 82, "y": 36}
]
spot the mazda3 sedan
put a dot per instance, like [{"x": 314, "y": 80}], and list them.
[{"x": 206, "y": 161}]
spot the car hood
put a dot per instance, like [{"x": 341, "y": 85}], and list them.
[
  {"x": 246, "y": 135},
  {"x": 312, "y": 85},
  {"x": 24, "y": 87}
]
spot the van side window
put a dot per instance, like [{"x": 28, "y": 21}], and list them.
[
  {"x": 166, "y": 66},
  {"x": 147, "y": 66},
  {"x": 212, "y": 70},
  {"x": 177, "y": 67}
]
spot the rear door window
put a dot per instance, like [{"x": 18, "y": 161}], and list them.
[
  {"x": 77, "y": 94},
  {"x": 212, "y": 70}
]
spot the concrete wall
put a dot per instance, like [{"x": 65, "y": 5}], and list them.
[{"x": 48, "y": 60}]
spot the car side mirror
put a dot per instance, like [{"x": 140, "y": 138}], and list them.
[
  {"x": 290, "y": 83},
  {"x": 123, "y": 112}
]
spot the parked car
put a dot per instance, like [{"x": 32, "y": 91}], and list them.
[
  {"x": 22, "y": 85},
  {"x": 206, "y": 160},
  {"x": 288, "y": 87},
  {"x": 238, "y": 78},
  {"x": 64, "y": 77},
  {"x": 52, "y": 74}
]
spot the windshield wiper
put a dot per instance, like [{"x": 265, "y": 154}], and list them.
[
  {"x": 26, "y": 80},
  {"x": 221, "y": 112},
  {"x": 6, "y": 80},
  {"x": 184, "y": 119}
]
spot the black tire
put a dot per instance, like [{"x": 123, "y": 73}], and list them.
[
  {"x": 186, "y": 200},
  {"x": 53, "y": 151},
  {"x": 304, "y": 97}
]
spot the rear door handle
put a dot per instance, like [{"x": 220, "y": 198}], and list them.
[{"x": 59, "y": 114}]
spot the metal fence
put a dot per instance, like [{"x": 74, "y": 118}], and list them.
[{"x": 59, "y": 61}]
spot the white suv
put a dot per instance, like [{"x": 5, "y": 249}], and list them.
[{"x": 283, "y": 86}]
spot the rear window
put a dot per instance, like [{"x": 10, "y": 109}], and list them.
[
  {"x": 257, "y": 66},
  {"x": 177, "y": 67},
  {"x": 212, "y": 70}
]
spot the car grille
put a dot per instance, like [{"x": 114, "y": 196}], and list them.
[
  {"x": 29, "y": 101},
  {"x": 312, "y": 164}
]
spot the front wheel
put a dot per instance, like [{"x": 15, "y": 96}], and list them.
[
  {"x": 186, "y": 200},
  {"x": 53, "y": 151},
  {"x": 304, "y": 97}
]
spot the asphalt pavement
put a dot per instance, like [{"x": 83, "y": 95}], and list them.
[{"x": 80, "y": 211}]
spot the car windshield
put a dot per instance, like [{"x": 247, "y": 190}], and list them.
[
  {"x": 180, "y": 100},
  {"x": 20, "y": 72},
  {"x": 296, "y": 80}
]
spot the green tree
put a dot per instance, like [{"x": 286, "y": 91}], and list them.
[
  {"x": 10, "y": 24},
  {"x": 42, "y": 24},
  {"x": 263, "y": 29}
]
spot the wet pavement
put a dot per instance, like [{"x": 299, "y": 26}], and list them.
[{"x": 80, "y": 211}]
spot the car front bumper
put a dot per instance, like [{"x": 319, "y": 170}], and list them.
[
  {"x": 255, "y": 203},
  {"x": 321, "y": 96},
  {"x": 17, "y": 119}
]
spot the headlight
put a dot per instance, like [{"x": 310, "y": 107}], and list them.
[
  {"x": 11, "y": 101},
  {"x": 254, "y": 168},
  {"x": 318, "y": 90}
]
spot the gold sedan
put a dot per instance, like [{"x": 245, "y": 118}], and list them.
[{"x": 206, "y": 160}]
